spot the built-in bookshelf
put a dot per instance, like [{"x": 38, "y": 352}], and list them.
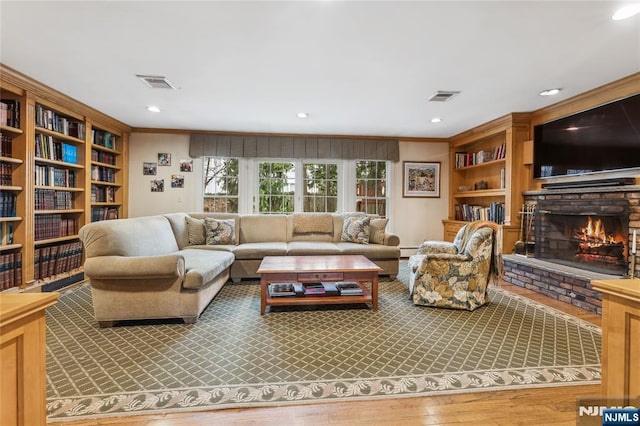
[
  {"x": 12, "y": 187},
  {"x": 51, "y": 146},
  {"x": 485, "y": 177},
  {"x": 106, "y": 171}
]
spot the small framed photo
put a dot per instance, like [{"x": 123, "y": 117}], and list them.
[
  {"x": 177, "y": 181},
  {"x": 421, "y": 179},
  {"x": 164, "y": 159},
  {"x": 149, "y": 168},
  {"x": 157, "y": 185},
  {"x": 186, "y": 165}
]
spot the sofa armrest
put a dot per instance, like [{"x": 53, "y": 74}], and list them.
[
  {"x": 433, "y": 247},
  {"x": 138, "y": 267},
  {"x": 391, "y": 239}
]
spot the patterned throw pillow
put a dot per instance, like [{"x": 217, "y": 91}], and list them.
[
  {"x": 356, "y": 229},
  {"x": 195, "y": 230},
  {"x": 376, "y": 230},
  {"x": 220, "y": 231}
]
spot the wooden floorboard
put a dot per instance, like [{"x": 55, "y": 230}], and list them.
[{"x": 548, "y": 406}]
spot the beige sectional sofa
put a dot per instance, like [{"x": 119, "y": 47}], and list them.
[{"x": 162, "y": 267}]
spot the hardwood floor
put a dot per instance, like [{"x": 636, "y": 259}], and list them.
[{"x": 548, "y": 406}]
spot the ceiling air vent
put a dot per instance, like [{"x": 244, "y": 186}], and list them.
[
  {"x": 441, "y": 96},
  {"x": 156, "y": 81}
]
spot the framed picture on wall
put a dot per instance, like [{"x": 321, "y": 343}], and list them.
[
  {"x": 177, "y": 181},
  {"x": 186, "y": 165},
  {"x": 164, "y": 159},
  {"x": 149, "y": 168},
  {"x": 157, "y": 185},
  {"x": 421, "y": 179}
]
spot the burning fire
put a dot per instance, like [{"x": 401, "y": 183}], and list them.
[{"x": 594, "y": 234}]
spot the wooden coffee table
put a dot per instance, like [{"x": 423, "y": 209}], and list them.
[{"x": 308, "y": 269}]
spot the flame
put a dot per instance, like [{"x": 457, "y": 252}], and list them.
[{"x": 594, "y": 234}]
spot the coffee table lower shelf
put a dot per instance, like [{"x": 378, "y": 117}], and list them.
[{"x": 365, "y": 297}]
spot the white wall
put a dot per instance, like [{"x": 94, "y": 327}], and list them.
[
  {"x": 413, "y": 219},
  {"x": 419, "y": 219},
  {"x": 144, "y": 147}
]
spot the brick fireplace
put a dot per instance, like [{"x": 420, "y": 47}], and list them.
[{"x": 580, "y": 234}]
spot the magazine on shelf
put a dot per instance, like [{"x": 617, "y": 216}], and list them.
[
  {"x": 281, "y": 289},
  {"x": 313, "y": 289},
  {"x": 349, "y": 288}
]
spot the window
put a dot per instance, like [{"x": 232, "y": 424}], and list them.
[
  {"x": 220, "y": 185},
  {"x": 276, "y": 183},
  {"x": 371, "y": 180},
  {"x": 320, "y": 188}
]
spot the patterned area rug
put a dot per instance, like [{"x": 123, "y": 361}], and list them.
[{"x": 233, "y": 357}]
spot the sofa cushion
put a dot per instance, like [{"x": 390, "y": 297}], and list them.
[
  {"x": 202, "y": 266},
  {"x": 195, "y": 231},
  {"x": 376, "y": 230},
  {"x": 304, "y": 248},
  {"x": 371, "y": 251},
  {"x": 220, "y": 231},
  {"x": 260, "y": 250},
  {"x": 312, "y": 223},
  {"x": 356, "y": 229},
  {"x": 140, "y": 236},
  {"x": 263, "y": 228}
]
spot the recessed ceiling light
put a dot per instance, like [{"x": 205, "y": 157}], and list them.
[
  {"x": 550, "y": 92},
  {"x": 153, "y": 108},
  {"x": 626, "y": 12},
  {"x": 302, "y": 115},
  {"x": 436, "y": 120}
]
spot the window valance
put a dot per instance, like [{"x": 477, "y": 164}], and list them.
[{"x": 213, "y": 145}]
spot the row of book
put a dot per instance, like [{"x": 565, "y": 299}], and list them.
[
  {"x": 6, "y": 174},
  {"x": 467, "y": 212},
  {"x": 51, "y": 120},
  {"x": 103, "y": 213},
  {"x": 103, "y": 174},
  {"x": 103, "y": 157},
  {"x": 340, "y": 288},
  {"x": 7, "y": 204},
  {"x": 49, "y": 226},
  {"x": 48, "y": 148},
  {"x": 102, "y": 138},
  {"x": 50, "y": 199},
  {"x": 58, "y": 259},
  {"x": 10, "y": 113},
  {"x": 55, "y": 176},
  {"x": 6, "y": 143},
  {"x": 103, "y": 194},
  {"x": 466, "y": 159},
  {"x": 10, "y": 270}
]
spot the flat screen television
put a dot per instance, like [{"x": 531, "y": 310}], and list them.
[{"x": 603, "y": 138}]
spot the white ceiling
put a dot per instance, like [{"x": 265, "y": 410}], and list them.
[{"x": 357, "y": 67}]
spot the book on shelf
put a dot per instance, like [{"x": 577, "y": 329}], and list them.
[
  {"x": 330, "y": 288},
  {"x": 6, "y": 142},
  {"x": 281, "y": 289},
  {"x": 348, "y": 288},
  {"x": 10, "y": 112},
  {"x": 468, "y": 212}
]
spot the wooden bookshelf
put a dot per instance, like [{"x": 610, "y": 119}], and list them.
[
  {"x": 51, "y": 158},
  {"x": 486, "y": 169}
]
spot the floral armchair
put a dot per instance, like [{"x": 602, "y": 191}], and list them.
[{"x": 456, "y": 275}]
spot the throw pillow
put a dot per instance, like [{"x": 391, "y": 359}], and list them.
[
  {"x": 195, "y": 230},
  {"x": 376, "y": 230},
  {"x": 356, "y": 229},
  {"x": 220, "y": 231}
]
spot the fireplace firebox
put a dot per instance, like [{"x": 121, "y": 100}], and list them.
[{"x": 589, "y": 234}]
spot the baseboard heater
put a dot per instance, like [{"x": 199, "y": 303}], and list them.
[{"x": 590, "y": 183}]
